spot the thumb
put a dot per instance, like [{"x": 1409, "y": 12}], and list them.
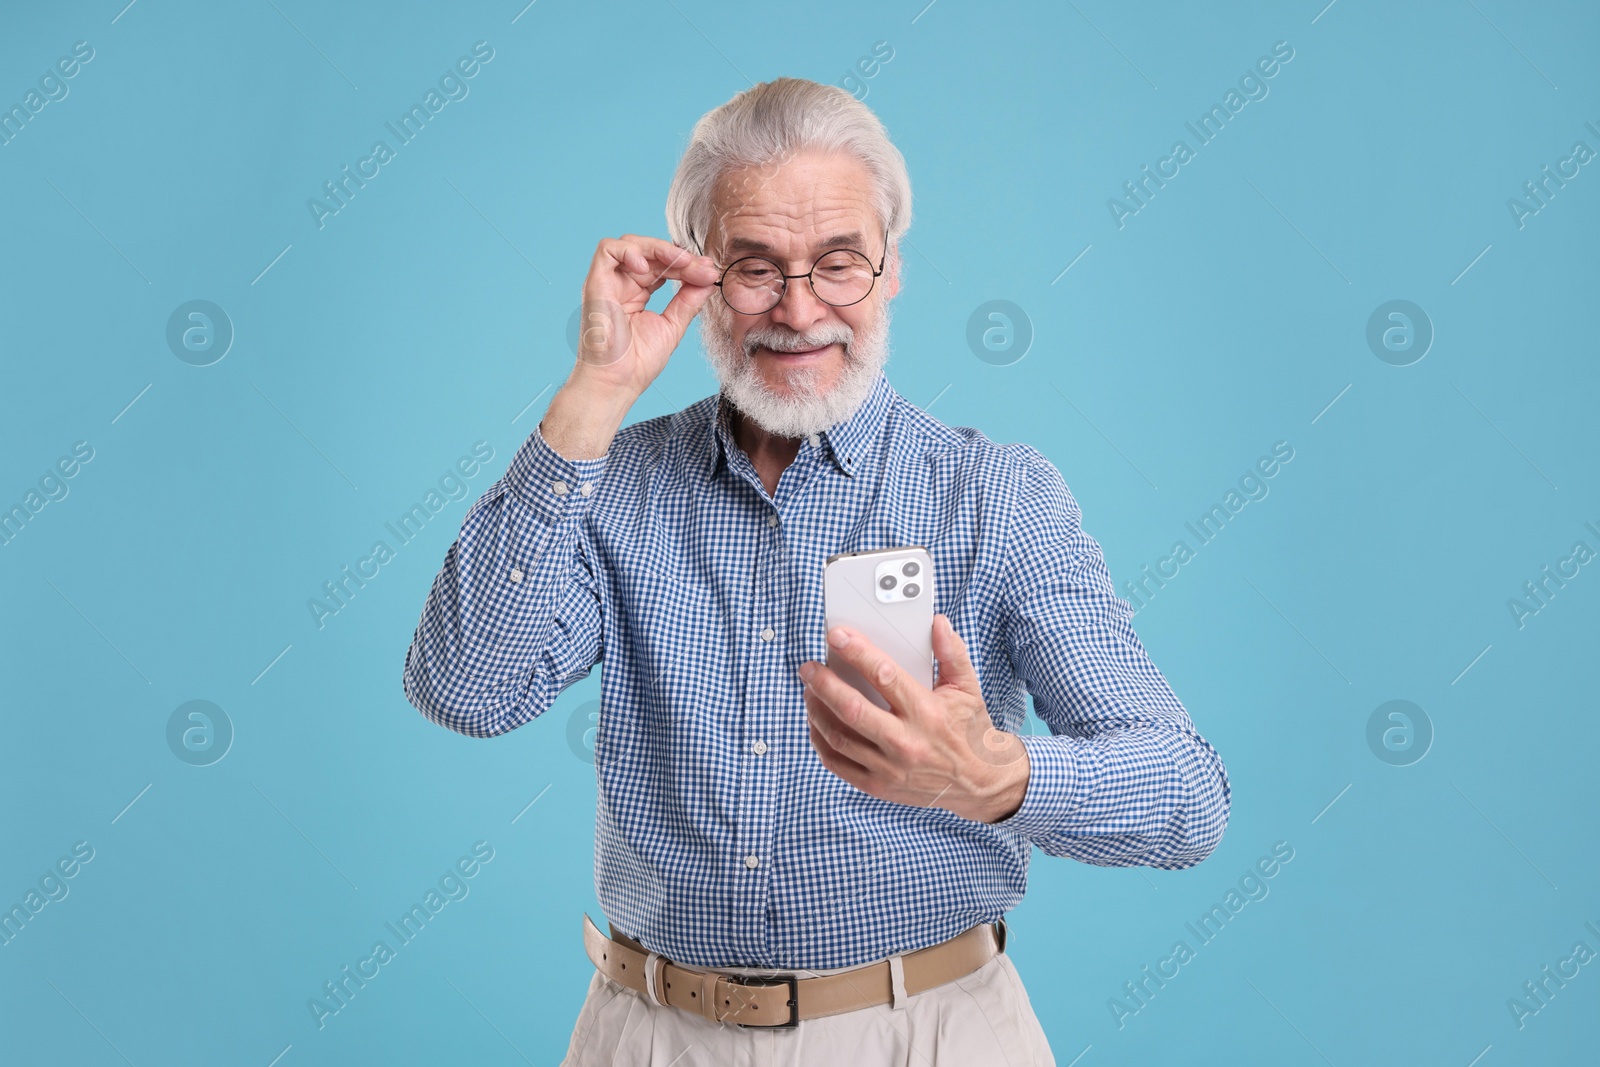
[
  {"x": 684, "y": 305},
  {"x": 955, "y": 666}
]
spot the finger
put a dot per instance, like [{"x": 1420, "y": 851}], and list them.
[
  {"x": 660, "y": 264},
  {"x": 881, "y": 729},
  {"x": 841, "y": 765},
  {"x": 611, "y": 250},
  {"x": 685, "y": 305},
  {"x": 836, "y": 760},
  {"x": 903, "y": 693},
  {"x": 639, "y": 267},
  {"x": 955, "y": 664},
  {"x": 844, "y": 738},
  {"x": 656, "y": 260}
]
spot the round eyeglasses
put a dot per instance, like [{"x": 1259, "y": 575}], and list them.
[{"x": 755, "y": 285}]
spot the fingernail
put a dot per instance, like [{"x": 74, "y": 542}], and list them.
[
  {"x": 838, "y": 638},
  {"x": 807, "y": 669}
]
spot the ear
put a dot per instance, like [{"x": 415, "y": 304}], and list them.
[{"x": 891, "y": 273}]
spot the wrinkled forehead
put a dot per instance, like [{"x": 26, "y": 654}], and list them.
[{"x": 794, "y": 208}]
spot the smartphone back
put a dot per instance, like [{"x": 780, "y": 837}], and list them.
[{"x": 886, "y": 594}]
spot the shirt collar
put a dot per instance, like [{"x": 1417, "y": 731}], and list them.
[{"x": 847, "y": 442}]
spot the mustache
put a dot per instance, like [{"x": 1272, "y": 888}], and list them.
[{"x": 788, "y": 341}]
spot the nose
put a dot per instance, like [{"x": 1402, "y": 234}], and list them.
[{"x": 799, "y": 309}]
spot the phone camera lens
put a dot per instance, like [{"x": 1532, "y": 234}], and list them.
[
  {"x": 911, "y": 589},
  {"x": 910, "y": 569},
  {"x": 886, "y": 582}
]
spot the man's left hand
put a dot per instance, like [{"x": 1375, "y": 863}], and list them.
[{"x": 934, "y": 747}]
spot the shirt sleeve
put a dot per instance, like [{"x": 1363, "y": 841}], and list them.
[
  {"x": 1123, "y": 779},
  {"x": 514, "y": 615}
]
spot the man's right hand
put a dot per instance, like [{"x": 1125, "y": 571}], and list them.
[
  {"x": 620, "y": 343},
  {"x": 622, "y": 346}
]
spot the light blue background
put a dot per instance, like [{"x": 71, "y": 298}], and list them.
[{"x": 1227, "y": 315}]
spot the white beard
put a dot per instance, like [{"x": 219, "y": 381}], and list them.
[{"x": 805, "y": 411}]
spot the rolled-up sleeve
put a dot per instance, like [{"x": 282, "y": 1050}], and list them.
[
  {"x": 1124, "y": 779},
  {"x": 514, "y": 614}
]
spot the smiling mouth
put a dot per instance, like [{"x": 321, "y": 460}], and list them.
[{"x": 793, "y": 355}]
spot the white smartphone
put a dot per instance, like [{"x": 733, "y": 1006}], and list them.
[{"x": 887, "y": 595}]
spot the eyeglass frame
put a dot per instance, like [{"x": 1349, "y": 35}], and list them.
[{"x": 807, "y": 275}]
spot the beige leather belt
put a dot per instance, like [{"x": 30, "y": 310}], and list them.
[{"x": 785, "y": 999}]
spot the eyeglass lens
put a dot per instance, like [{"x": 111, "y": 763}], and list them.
[{"x": 753, "y": 285}]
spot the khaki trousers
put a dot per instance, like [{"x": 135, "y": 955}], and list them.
[{"x": 981, "y": 1020}]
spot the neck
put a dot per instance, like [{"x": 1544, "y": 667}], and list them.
[
  {"x": 770, "y": 453},
  {"x": 759, "y": 445}
]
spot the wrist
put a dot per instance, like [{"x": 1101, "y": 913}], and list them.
[
  {"x": 583, "y": 417},
  {"x": 996, "y": 782},
  {"x": 1010, "y": 787}
]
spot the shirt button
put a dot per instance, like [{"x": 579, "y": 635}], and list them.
[
  {"x": 516, "y": 574},
  {"x": 559, "y": 488},
  {"x": 586, "y": 488},
  {"x": 759, "y": 748},
  {"x": 768, "y": 634},
  {"x": 772, "y": 520},
  {"x": 752, "y": 861},
  {"x": 815, "y": 440}
]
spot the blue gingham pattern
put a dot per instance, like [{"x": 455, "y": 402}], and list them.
[{"x": 720, "y": 837}]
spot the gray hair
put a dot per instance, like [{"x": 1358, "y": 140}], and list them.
[{"x": 770, "y": 123}]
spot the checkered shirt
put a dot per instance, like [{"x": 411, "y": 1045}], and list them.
[{"x": 720, "y": 838}]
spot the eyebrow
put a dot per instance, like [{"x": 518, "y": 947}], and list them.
[{"x": 843, "y": 240}]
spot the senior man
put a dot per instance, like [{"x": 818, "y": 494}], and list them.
[{"x": 792, "y": 874}]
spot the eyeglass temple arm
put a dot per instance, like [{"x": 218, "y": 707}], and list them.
[{"x": 876, "y": 273}]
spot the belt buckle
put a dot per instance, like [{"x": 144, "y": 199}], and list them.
[{"x": 772, "y": 983}]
